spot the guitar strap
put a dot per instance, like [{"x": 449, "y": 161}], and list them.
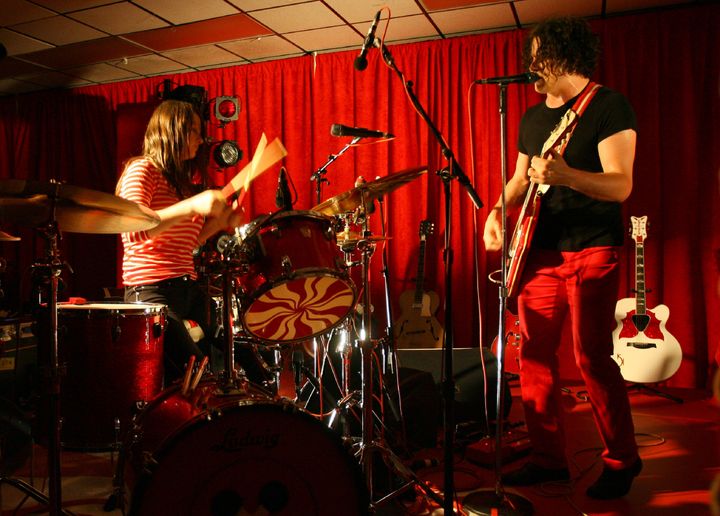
[{"x": 576, "y": 111}]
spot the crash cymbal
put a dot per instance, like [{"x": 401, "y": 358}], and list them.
[
  {"x": 366, "y": 192},
  {"x": 77, "y": 210},
  {"x": 7, "y": 237}
]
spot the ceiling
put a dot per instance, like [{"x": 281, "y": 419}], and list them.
[{"x": 70, "y": 43}]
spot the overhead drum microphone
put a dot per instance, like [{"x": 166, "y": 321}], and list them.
[
  {"x": 361, "y": 60},
  {"x": 344, "y": 130}
]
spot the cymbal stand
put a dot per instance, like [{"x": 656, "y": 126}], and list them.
[
  {"x": 319, "y": 174},
  {"x": 52, "y": 269},
  {"x": 369, "y": 445}
]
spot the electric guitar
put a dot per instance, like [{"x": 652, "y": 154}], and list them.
[
  {"x": 417, "y": 326},
  {"x": 643, "y": 348},
  {"x": 530, "y": 211}
]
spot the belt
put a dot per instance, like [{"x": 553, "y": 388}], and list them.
[{"x": 180, "y": 281}]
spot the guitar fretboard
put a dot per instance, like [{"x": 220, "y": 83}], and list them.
[
  {"x": 640, "y": 278},
  {"x": 417, "y": 299}
]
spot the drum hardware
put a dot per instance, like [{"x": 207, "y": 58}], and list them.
[
  {"x": 50, "y": 207},
  {"x": 319, "y": 175}
]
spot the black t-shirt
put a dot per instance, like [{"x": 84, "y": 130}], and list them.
[{"x": 570, "y": 220}]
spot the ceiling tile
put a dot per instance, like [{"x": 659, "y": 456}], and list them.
[
  {"x": 254, "y": 5},
  {"x": 187, "y": 11},
  {"x": 614, "y": 6},
  {"x": 440, "y": 5},
  {"x": 535, "y": 11},
  {"x": 20, "y": 11},
  {"x": 227, "y": 28},
  {"x": 106, "y": 49},
  {"x": 261, "y": 48},
  {"x": 102, "y": 72},
  {"x": 66, "y": 6},
  {"x": 474, "y": 19},
  {"x": 150, "y": 64},
  {"x": 365, "y": 11},
  {"x": 19, "y": 43},
  {"x": 56, "y": 80},
  {"x": 409, "y": 27},
  {"x": 10, "y": 86},
  {"x": 201, "y": 56},
  {"x": 325, "y": 39},
  {"x": 293, "y": 18},
  {"x": 11, "y": 67},
  {"x": 58, "y": 30},
  {"x": 119, "y": 18}
]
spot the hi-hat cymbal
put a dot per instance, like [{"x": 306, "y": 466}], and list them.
[
  {"x": 7, "y": 237},
  {"x": 77, "y": 210},
  {"x": 367, "y": 192}
]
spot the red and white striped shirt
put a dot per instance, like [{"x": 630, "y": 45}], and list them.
[{"x": 166, "y": 255}]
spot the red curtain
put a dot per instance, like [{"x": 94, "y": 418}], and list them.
[{"x": 666, "y": 62}]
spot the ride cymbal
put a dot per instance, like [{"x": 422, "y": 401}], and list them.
[{"x": 77, "y": 210}]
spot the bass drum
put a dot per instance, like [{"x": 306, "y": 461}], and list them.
[{"x": 240, "y": 453}]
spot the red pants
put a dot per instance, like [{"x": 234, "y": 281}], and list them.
[{"x": 585, "y": 283}]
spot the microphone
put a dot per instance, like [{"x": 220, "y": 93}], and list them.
[
  {"x": 344, "y": 130},
  {"x": 523, "y": 78},
  {"x": 361, "y": 60},
  {"x": 283, "y": 197}
]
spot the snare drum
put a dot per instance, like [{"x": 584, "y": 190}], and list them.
[
  {"x": 239, "y": 453},
  {"x": 297, "y": 286},
  {"x": 112, "y": 353}
]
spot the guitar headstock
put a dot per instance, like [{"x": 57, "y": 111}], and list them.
[
  {"x": 426, "y": 228},
  {"x": 639, "y": 228}
]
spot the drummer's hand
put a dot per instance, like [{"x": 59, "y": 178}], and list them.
[
  {"x": 492, "y": 234},
  {"x": 209, "y": 203},
  {"x": 233, "y": 216}
]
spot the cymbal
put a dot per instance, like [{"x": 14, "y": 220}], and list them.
[
  {"x": 77, "y": 210},
  {"x": 7, "y": 237},
  {"x": 366, "y": 192}
]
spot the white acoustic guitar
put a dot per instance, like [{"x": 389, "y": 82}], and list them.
[{"x": 643, "y": 348}]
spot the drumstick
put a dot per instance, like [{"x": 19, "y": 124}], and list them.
[
  {"x": 188, "y": 372},
  {"x": 198, "y": 373}
]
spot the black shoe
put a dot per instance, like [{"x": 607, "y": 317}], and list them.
[
  {"x": 530, "y": 474},
  {"x": 614, "y": 483}
]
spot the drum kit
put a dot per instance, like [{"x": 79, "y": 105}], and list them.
[{"x": 223, "y": 443}]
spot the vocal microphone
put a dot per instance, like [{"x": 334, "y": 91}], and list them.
[
  {"x": 361, "y": 60},
  {"x": 344, "y": 130},
  {"x": 523, "y": 78}
]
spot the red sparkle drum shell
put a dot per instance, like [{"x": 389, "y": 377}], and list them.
[
  {"x": 112, "y": 354},
  {"x": 297, "y": 286},
  {"x": 238, "y": 453}
]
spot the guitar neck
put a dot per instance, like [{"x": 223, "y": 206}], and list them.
[
  {"x": 417, "y": 300},
  {"x": 640, "y": 308}
]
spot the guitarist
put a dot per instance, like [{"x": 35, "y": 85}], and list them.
[
  {"x": 158, "y": 264},
  {"x": 572, "y": 263}
]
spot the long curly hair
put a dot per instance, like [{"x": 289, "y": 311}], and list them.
[
  {"x": 165, "y": 143},
  {"x": 565, "y": 45}
]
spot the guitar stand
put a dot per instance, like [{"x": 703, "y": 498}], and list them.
[{"x": 651, "y": 391}]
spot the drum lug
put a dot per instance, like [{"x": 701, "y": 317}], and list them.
[{"x": 286, "y": 264}]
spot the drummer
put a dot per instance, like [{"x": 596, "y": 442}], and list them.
[{"x": 158, "y": 263}]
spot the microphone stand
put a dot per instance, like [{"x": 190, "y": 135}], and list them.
[
  {"x": 497, "y": 501},
  {"x": 319, "y": 174},
  {"x": 452, "y": 171}
]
